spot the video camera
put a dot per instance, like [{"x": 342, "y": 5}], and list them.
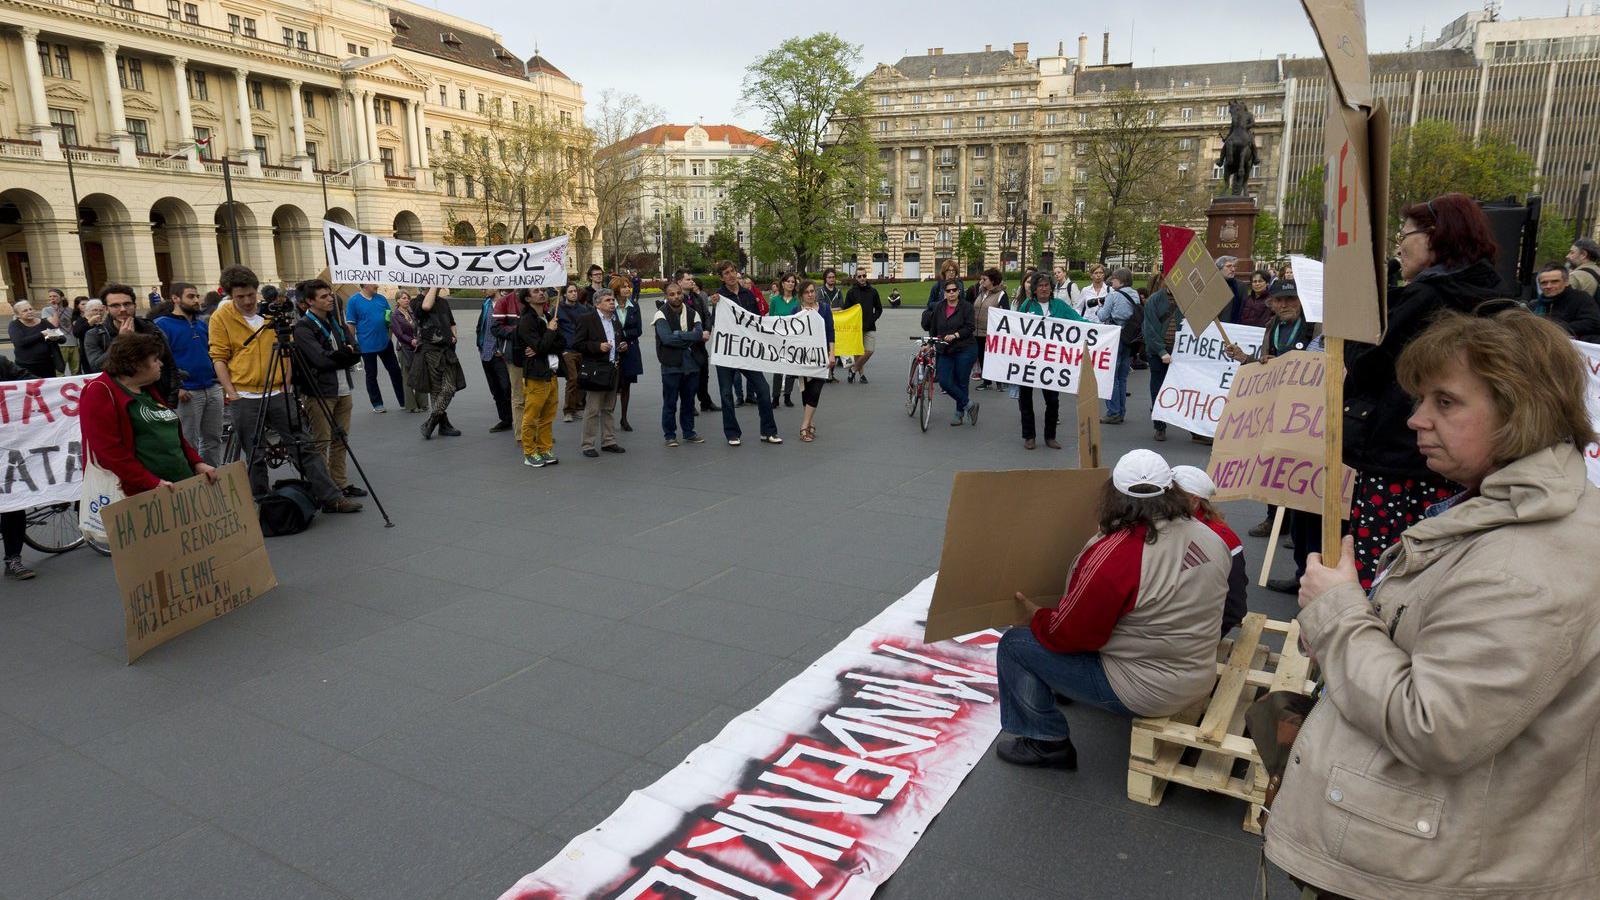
[{"x": 276, "y": 305}]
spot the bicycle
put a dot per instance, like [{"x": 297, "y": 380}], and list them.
[
  {"x": 923, "y": 377},
  {"x": 53, "y": 528}
]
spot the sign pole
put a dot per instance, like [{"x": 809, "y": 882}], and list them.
[{"x": 1333, "y": 446}]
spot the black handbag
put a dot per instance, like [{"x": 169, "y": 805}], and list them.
[{"x": 597, "y": 373}]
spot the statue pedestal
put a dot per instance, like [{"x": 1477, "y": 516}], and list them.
[{"x": 1231, "y": 230}]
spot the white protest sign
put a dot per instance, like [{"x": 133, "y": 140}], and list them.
[
  {"x": 1035, "y": 351},
  {"x": 41, "y": 446},
  {"x": 358, "y": 258},
  {"x": 782, "y": 345},
  {"x": 1197, "y": 383},
  {"x": 1591, "y": 364},
  {"x": 1308, "y": 281}
]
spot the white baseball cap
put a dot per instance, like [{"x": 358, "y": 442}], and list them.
[
  {"x": 1141, "y": 473},
  {"x": 1194, "y": 481}
]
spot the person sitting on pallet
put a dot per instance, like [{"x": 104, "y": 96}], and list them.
[
  {"x": 1136, "y": 632},
  {"x": 1454, "y": 750},
  {"x": 1200, "y": 488}
]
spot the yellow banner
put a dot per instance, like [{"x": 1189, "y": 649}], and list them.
[{"x": 847, "y": 332}]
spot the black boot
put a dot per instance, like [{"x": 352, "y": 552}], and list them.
[
  {"x": 428, "y": 425},
  {"x": 446, "y": 429},
  {"x": 1043, "y": 754}
]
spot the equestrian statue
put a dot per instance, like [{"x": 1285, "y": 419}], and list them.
[{"x": 1239, "y": 149}]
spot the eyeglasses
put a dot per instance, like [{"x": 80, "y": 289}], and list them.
[{"x": 1400, "y": 236}]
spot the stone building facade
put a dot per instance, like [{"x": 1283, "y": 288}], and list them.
[
  {"x": 330, "y": 110},
  {"x": 683, "y": 162},
  {"x": 967, "y": 138}
]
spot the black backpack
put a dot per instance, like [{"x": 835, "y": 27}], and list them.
[
  {"x": 289, "y": 509},
  {"x": 1133, "y": 329}
]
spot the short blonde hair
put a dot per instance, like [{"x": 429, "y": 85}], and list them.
[
  {"x": 949, "y": 269},
  {"x": 1533, "y": 372}
]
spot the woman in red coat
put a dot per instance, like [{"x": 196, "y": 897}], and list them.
[{"x": 127, "y": 427}]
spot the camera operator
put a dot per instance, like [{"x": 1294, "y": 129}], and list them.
[
  {"x": 243, "y": 371},
  {"x": 326, "y": 354}
]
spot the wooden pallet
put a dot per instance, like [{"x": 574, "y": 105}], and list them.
[{"x": 1204, "y": 746}]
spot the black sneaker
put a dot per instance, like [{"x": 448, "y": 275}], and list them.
[
  {"x": 498, "y": 427},
  {"x": 612, "y": 448},
  {"x": 863, "y": 378},
  {"x": 592, "y": 453},
  {"x": 351, "y": 490},
  {"x": 15, "y": 569},
  {"x": 1284, "y": 585},
  {"x": 851, "y": 376},
  {"x": 1042, "y": 754}
]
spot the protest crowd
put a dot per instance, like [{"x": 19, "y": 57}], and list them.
[{"x": 1457, "y": 637}]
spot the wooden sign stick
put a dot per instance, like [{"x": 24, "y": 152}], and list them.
[
  {"x": 1272, "y": 545},
  {"x": 1088, "y": 414},
  {"x": 1333, "y": 458}
]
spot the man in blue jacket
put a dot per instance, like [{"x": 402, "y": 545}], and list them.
[
  {"x": 368, "y": 314},
  {"x": 200, "y": 397}
]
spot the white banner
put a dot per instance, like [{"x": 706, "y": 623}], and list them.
[
  {"x": 1308, "y": 284},
  {"x": 1591, "y": 359},
  {"x": 1196, "y": 387},
  {"x": 358, "y": 258},
  {"x": 1037, "y": 351},
  {"x": 819, "y": 792},
  {"x": 41, "y": 446},
  {"x": 784, "y": 345}
]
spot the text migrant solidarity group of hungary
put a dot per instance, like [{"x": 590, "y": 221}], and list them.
[{"x": 1423, "y": 435}]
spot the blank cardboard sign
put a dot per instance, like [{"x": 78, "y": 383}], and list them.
[{"x": 1008, "y": 532}]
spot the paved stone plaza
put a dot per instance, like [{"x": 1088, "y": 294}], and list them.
[{"x": 433, "y": 710}]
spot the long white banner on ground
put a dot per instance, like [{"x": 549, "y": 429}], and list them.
[
  {"x": 41, "y": 446},
  {"x": 1196, "y": 387},
  {"x": 1591, "y": 359},
  {"x": 784, "y": 345},
  {"x": 819, "y": 792},
  {"x": 1035, "y": 351},
  {"x": 355, "y": 257}
]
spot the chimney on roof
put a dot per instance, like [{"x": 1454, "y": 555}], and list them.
[
  {"x": 1083, "y": 51},
  {"x": 1020, "y": 50},
  {"x": 987, "y": 47},
  {"x": 1105, "y": 49},
  {"x": 1061, "y": 48},
  {"x": 935, "y": 51}
]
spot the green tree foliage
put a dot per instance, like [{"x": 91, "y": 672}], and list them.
[
  {"x": 821, "y": 157},
  {"x": 1072, "y": 240},
  {"x": 1304, "y": 202},
  {"x": 679, "y": 251},
  {"x": 970, "y": 247},
  {"x": 1556, "y": 232},
  {"x": 522, "y": 170},
  {"x": 618, "y": 174},
  {"x": 1134, "y": 182},
  {"x": 1267, "y": 238},
  {"x": 724, "y": 244},
  {"x": 1435, "y": 157}
]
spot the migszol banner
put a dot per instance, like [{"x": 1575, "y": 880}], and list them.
[{"x": 355, "y": 257}]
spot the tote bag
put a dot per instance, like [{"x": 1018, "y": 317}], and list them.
[{"x": 100, "y": 489}]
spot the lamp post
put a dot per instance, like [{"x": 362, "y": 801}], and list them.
[
  {"x": 346, "y": 171},
  {"x": 77, "y": 218}
]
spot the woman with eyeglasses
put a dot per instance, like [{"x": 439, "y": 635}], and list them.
[
  {"x": 953, "y": 321},
  {"x": 1446, "y": 254}
]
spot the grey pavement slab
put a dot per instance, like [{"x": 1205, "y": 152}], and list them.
[{"x": 433, "y": 710}]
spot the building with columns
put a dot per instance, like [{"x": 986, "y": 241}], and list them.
[
  {"x": 976, "y": 138},
  {"x": 685, "y": 161},
  {"x": 141, "y": 107}
]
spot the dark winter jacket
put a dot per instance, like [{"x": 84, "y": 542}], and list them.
[
  {"x": 533, "y": 332},
  {"x": 325, "y": 349},
  {"x": 1376, "y": 439},
  {"x": 962, "y": 323},
  {"x": 866, "y": 297},
  {"x": 97, "y": 343},
  {"x": 1573, "y": 310}
]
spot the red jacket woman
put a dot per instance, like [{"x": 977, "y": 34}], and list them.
[{"x": 127, "y": 427}]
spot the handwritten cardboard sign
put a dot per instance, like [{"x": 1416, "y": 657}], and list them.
[
  {"x": 1041, "y": 352},
  {"x": 1198, "y": 286},
  {"x": 1269, "y": 442},
  {"x": 1008, "y": 532},
  {"x": 185, "y": 555},
  {"x": 1201, "y": 374}
]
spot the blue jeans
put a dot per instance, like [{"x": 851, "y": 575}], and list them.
[
  {"x": 955, "y": 371},
  {"x": 677, "y": 397},
  {"x": 369, "y": 364},
  {"x": 1029, "y": 673},
  {"x": 755, "y": 386},
  {"x": 1118, "y": 404}
]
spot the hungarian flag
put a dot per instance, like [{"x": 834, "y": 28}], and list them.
[{"x": 1173, "y": 241}]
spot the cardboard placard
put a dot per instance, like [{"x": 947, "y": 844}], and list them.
[
  {"x": 1088, "y": 416},
  {"x": 1356, "y": 152},
  {"x": 1035, "y": 351},
  {"x": 1269, "y": 444},
  {"x": 185, "y": 555},
  {"x": 1341, "y": 27},
  {"x": 1008, "y": 532},
  {"x": 1198, "y": 286},
  {"x": 1201, "y": 374}
]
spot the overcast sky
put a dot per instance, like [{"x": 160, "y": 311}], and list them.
[{"x": 689, "y": 58}]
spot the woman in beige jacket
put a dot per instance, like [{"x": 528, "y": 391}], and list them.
[{"x": 1456, "y": 749}]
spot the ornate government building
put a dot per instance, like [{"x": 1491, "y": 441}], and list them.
[
  {"x": 973, "y": 138},
  {"x": 327, "y": 109}
]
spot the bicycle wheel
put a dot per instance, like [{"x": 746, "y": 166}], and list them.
[
  {"x": 912, "y": 386},
  {"x": 53, "y": 528},
  {"x": 927, "y": 402}
]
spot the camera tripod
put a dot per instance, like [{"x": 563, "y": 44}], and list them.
[{"x": 273, "y": 454}]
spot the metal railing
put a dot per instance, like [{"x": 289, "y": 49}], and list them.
[{"x": 155, "y": 21}]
